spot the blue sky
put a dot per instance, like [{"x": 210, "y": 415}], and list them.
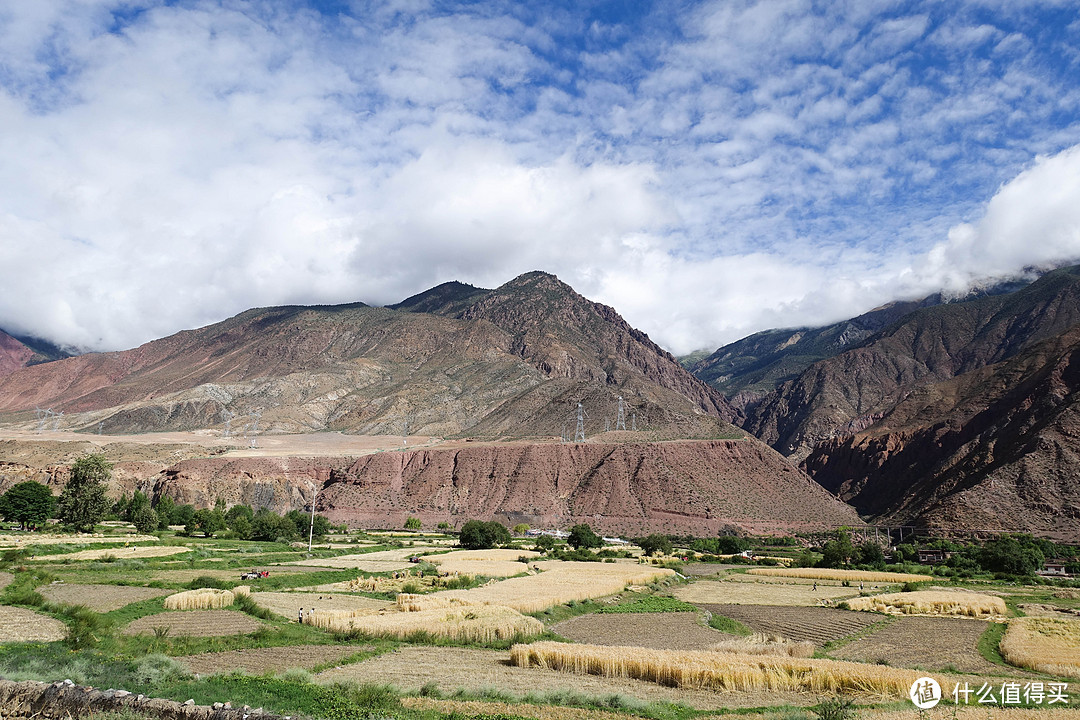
[{"x": 708, "y": 168}]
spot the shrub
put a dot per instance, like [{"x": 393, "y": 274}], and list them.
[
  {"x": 480, "y": 535},
  {"x": 582, "y": 536}
]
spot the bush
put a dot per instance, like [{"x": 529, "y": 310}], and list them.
[
  {"x": 85, "y": 627},
  {"x": 544, "y": 543},
  {"x": 206, "y": 581},
  {"x": 479, "y": 535},
  {"x": 413, "y": 523},
  {"x": 582, "y": 536}
]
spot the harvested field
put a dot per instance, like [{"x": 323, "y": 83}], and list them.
[
  {"x": 663, "y": 631},
  {"x": 924, "y": 642},
  {"x": 763, "y": 593},
  {"x": 201, "y": 599},
  {"x": 864, "y": 576},
  {"x": 5, "y": 579},
  {"x": 186, "y": 576},
  {"x": 559, "y": 582},
  {"x": 469, "y": 708},
  {"x": 357, "y": 561},
  {"x": 269, "y": 660},
  {"x": 818, "y": 625},
  {"x": 470, "y": 623},
  {"x": 22, "y": 625},
  {"x": 287, "y": 603},
  {"x": 493, "y": 563},
  {"x": 450, "y": 668},
  {"x": 120, "y": 553},
  {"x": 933, "y": 602},
  {"x": 99, "y": 598},
  {"x": 51, "y": 539},
  {"x": 1043, "y": 610},
  {"x": 952, "y": 712},
  {"x": 196, "y": 623},
  {"x": 723, "y": 672},
  {"x": 1049, "y": 645},
  {"x": 706, "y": 569}
]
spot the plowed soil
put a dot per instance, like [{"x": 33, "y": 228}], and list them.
[
  {"x": 662, "y": 631},
  {"x": 269, "y": 660},
  {"x": 196, "y": 623},
  {"x": 816, "y": 624},
  {"x": 925, "y": 642},
  {"x": 21, "y": 625},
  {"x": 450, "y": 668},
  {"x": 99, "y": 598},
  {"x": 286, "y": 604}
]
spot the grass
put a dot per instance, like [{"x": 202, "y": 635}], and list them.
[
  {"x": 719, "y": 671},
  {"x": 728, "y": 625},
  {"x": 1049, "y": 645},
  {"x": 649, "y": 604},
  {"x": 989, "y": 643}
]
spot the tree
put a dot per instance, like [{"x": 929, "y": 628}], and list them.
[
  {"x": 83, "y": 502},
  {"x": 521, "y": 528},
  {"x": 145, "y": 520},
  {"x": 582, "y": 536},
  {"x": 544, "y": 543},
  {"x": 268, "y": 525},
  {"x": 479, "y": 535},
  {"x": 731, "y": 545},
  {"x": 413, "y": 523},
  {"x": 28, "y": 503},
  {"x": 164, "y": 508},
  {"x": 1014, "y": 555},
  {"x": 208, "y": 522},
  {"x": 137, "y": 502},
  {"x": 181, "y": 514},
  {"x": 655, "y": 545},
  {"x": 870, "y": 553},
  {"x": 838, "y": 552}
]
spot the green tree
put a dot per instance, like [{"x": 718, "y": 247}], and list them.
[
  {"x": 837, "y": 553},
  {"x": 870, "y": 553},
  {"x": 83, "y": 502},
  {"x": 268, "y": 525},
  {"x": 28, "y": 503},
  {"x": 137, "y": 502},
  {"x": 1013, "y": 554},
  {"x": 145, "y": 520},
  {"x": 544, "y": 543},
  {"x": 164, "y": 508},
  {"x": 479, "y": 535},
  {"x": 181, "y": 515},
  {"x": 655, "y": 545},
  {"x": 208, "y": 522},
  {"x": 521, "y": 528},
  {"x": 582, "y": 536},
  {"x": 731, "y": 545},
  {"x": 413, "y": 523}
]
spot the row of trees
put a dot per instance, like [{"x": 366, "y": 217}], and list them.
[{"x": 83, "y": 503}]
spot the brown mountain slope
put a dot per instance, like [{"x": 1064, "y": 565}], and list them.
[
  {"x": 679, "y": 487},
  {"x": 515, "y": 362},
  {"x": 13, "y": 354},
  {"x": 849, "y": 392},
  {"x": 996, "y": 448}
]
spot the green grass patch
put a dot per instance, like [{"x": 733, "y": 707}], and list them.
[
  {"x": 989, "y": 642},
  {"x": 728, "y": 625},
  {"x": 649, "y": 604}
]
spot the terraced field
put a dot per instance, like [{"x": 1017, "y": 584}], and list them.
[
  {"x": 818, "y": 625},
  {"x": 269, "y": 660},
  {"x": 662, "y": 631},
  {"x": 196, "y": 623}
]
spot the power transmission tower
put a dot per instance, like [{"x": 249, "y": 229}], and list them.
[
  {"x": 620, "y": 419},
  {"x": 633, "y": 422},
  {"x": 57, "y": 417},
  {"x": 252, "y": 429},
  {"x": 405, "y": 433},
  {"x": 42, "y": 418},
  {"x": 565, "y": 437},
  {"x": 579, "y": 433},
  {"x": 227, "y": 417}
]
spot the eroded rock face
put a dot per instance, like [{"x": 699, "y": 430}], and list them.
[{"x": 994, "y": 449}]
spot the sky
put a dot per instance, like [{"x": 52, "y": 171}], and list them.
[{"x": 710, "y": 169}]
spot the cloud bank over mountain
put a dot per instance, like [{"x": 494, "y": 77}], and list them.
[{"x": 710, "y": 169}]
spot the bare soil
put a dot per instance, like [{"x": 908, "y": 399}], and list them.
[
  {"x": 196, "y": 623},
  {"x": 410, "y": 668},
  {"x": 99, "y": 598},
  {"x": 925, "y": 642},
  {"x": 5, "y": 579},
  {"x": 120, "y": 553},
  {"x": 818, "y": 625},
  {"x": 662, "y": 631},
  {"x": 22, "y": 625},
  {"x": 286, "y": 604},
  {"x": 259, "y": 661}
]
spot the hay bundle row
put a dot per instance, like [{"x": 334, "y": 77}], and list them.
[
  {"x": 838, "y": 574},
  {"x": 932, "y": 602},
  {"x": 201, "y": 599},
  {"x": 718, "y": 671},
  {"x": 484, "y": 623}
]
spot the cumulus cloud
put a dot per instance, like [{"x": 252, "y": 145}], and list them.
[{"x": 166, "y": 165}]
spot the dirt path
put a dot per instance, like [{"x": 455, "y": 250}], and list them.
[{"x": 411, "y": 668}]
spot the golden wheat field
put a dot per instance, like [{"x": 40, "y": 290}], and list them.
[
  {"x": 472, "y": 623},
  {"x": 201, "y": 599},
  {"x": 765, "y": 592},
  {"x": 99, "y": 598},
  {"x": 1049, "y": 645},
  {"x": 933, "y": 602},
  {"x": 864, "y": 576},
  {"x": 287, "y": 604},
  {"x": 492, "y": 563},
  {"x": 719, "y": 671},
  {"x": 557, "y": 583},
  {"x": 120, "y": 553},
  {"x": 82, "y": 538}
]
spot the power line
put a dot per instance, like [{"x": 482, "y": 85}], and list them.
[{"x": 620, "y": 419}]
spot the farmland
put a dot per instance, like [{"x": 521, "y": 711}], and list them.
[{"x": 372, "y": 616}]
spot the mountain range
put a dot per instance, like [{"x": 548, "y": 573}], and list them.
[{"x": 953, "y": 413}]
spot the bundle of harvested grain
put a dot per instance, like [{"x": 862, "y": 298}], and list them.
[
  {"x": 484, "y": 623},
  {"x": 932, "y": 602},
  {"x": 836, "y": 574},
  {"x": 760, "y": 644},
  {"x": 201, "y": 599},
  {"x": 719, "y": 671}
]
